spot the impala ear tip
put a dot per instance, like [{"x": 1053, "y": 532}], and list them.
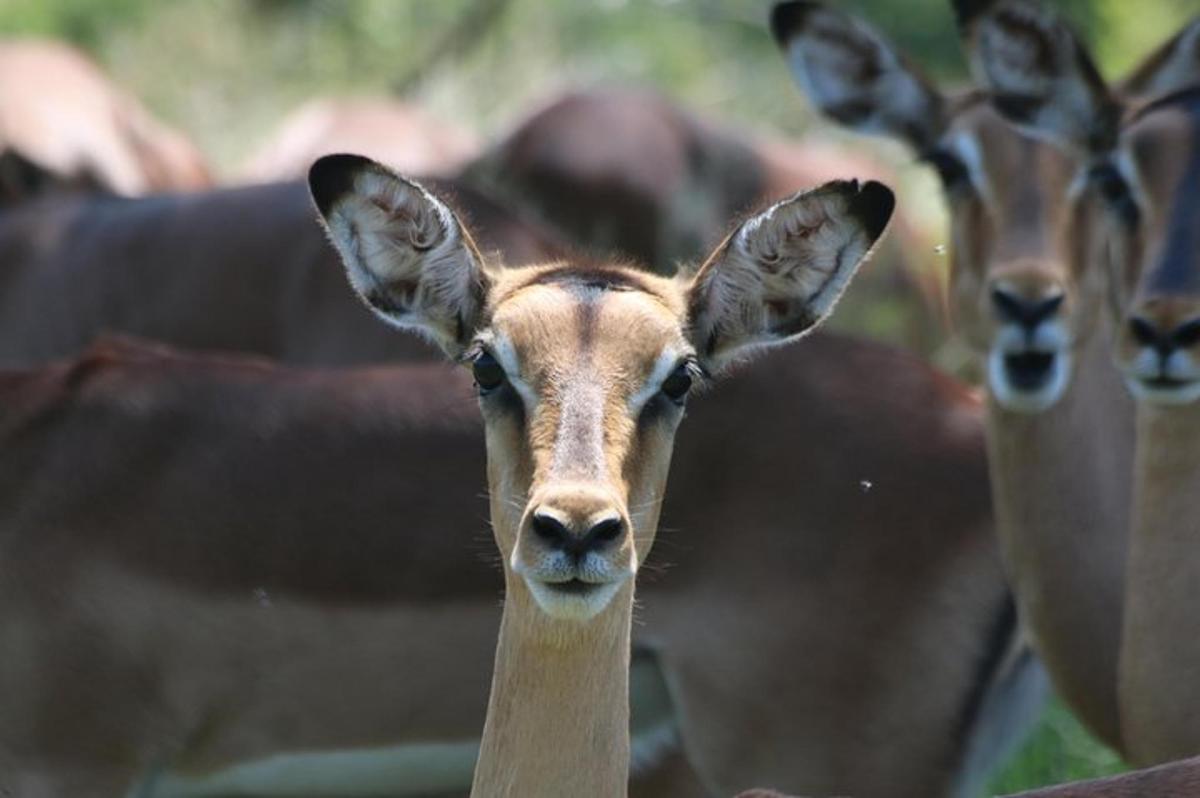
[
  {"x": 332, "y": 177},
  {"x": 789, "y": 17},
  {"x": 872, "y": 204},
  {"x": 966, "y": 12}
]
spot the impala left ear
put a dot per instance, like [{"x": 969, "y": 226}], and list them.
[
  {"x": 1041, "y": 77},
  {"x": 781, "y": 272}
]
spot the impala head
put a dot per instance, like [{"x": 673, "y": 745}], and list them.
[
  {"x": 1139, "y": 166},
  {"x": 1020, "y": 298},
  {"x": 584, "y": 371}
]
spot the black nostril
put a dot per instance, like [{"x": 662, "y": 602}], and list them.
[
  {"x": 1028, "y": 313},
  {"x": 550, "y": 530},
  {"x": 1143, "y": 331},
  {"x": 1187, "y": 334},
  {"x": 607, "y": 530},
  {"x": 1007, "y": 306}
]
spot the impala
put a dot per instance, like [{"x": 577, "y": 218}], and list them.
[
  {"x": 239, "y": 269},
  {"x": 1028, "y": 295},
  {"x": 1145, "y": 163},
  {"x": 583, "y": 373}
]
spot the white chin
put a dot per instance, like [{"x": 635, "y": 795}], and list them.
[
  {"x": 1184, "y": 394},
  {"x": 1027, "y": 400},
  {"x": 572, "y": 606}
]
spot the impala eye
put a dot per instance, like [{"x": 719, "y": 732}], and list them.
[
  {"x": 950, "y": 168},
  {"x": 676, "y": 386},
  {"x": 489, "y": 375}
]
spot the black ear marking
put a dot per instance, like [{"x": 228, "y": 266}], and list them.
[
  {"x": 332, "y": 177},
  {"x": 967, "y": 11},
  {"x": 788, "y": 18},
  {"x": 872, "y": 205}
]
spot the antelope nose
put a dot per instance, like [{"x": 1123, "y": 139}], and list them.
[
  {"x": 1028, "y": 312},
  {"x": 575, "y": 538},
  {"x": 1157, "y": 334}
]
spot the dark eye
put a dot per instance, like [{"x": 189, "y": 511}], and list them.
[
  {"x": 488, "y": 373},
  {"x": 1114, "y": 189},
  {"x": 676, "y": 386},
  {"x": 950, "y": 168}
]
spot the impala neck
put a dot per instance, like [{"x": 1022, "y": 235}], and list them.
[
  {"x": 1060, "y": 482},
  {"x": 558, "y": 716},
  {"x": 1160, "y": 655}
]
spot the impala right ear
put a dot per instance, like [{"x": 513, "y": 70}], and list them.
[
  {"x": 405, "y": 252},
  {"x": 855, "y": 76},
  {"x": 1041, "y": 77}
]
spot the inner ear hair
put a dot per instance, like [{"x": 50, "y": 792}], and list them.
[
  {"x": 406, "y": 254},
  {"x": 781, "y": 272}
]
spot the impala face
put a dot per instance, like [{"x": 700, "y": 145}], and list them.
[
  {"x": 1156, "y": 254},
  {"x": 1142, "y": 172},
  {"x": 583, "y": 371},
  {"x": 583, "y": 375},
  {"x": 1017, "y": 297}
]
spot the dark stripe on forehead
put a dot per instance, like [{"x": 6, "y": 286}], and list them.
[
  {"x": 587, "y": 312},
  {"x": 1178, "y": 270}
]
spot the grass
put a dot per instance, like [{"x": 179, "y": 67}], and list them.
[{"x": 1058, "y": 750}]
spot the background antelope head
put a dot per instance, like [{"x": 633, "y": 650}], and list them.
[
  {"x": 583, "y": 372},
  {"x": 1018, "y": 294},
  {"x": 1139, "y": 164}
]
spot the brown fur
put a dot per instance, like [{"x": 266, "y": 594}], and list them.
[
  {"x": 242, "y": 269},
  {"x": 366, "y": 539}
]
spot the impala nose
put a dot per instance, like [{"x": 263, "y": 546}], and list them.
[
  {"x": 1160, "y": 360},
  {"x": 1027, "y": 312},
  {"x": 1163, "y": 337},
  {"x": 576, "y": 536}
]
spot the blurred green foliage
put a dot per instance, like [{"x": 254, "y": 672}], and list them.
[
  {"x": 1059, "y": 750},
  {"x": 228, "y": 70}
]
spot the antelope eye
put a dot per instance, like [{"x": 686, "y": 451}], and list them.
[
  {"x": 676, "y": 386},
  {"x": 489, "y": 375},
  {"x": 950, "y": 168}
]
